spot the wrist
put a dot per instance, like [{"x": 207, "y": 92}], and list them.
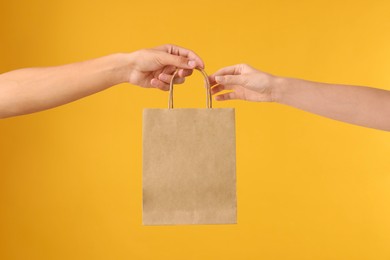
[
  {"x": 278, "y": 86},
  {"x": 122, "y": 64}
]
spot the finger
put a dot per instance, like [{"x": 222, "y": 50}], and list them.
[
  {"x": 230, "y": 70},
  {"x": 217, "y": 89},
  {"x": 181, "y": 73},
  {"x": 212, "y": 81},
  {"x": 179, "y": 80},
  {"x": 220, "y": 88},
  {"x": 167, "y": 74},
  {"x": 159, "y": 84},
  {"x": 169, "y": 69},
  {"x": 180, "y": 51},
  {"x": 226, "y": 96},
  {"x": 185, "y": 73},
  {"x": 166, "y": 78},
  {"x": 231, "y": 80},
  {"x": 181, "y": 62}
]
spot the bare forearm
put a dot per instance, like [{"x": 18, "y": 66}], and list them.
[
  {"x": 363, "y": 106},
  {"x": 29, "y": 90}
]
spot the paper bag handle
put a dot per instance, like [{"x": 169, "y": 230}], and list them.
[{"x": 208, "y": 89}]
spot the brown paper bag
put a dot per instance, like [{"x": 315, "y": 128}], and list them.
[{"x": 189, "y": 163}]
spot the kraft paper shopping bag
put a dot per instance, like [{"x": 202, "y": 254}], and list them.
[{"x": 189, "y": 165}]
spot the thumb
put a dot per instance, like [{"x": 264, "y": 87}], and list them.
[
  {"x": 230, "y": 80},
  {"x": 177, "y": 61}
]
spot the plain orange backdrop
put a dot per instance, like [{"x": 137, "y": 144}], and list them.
[{"x": 308, "y": 187}]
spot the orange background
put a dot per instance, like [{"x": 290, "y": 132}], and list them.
[{"x": 308, "y": 187}]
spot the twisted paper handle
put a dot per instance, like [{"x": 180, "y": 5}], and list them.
[{"x": 208, "y": 89}]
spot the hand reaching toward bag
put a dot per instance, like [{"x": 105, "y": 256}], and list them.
[
  {"x": 243, "y": 82},
  {"x": 358, "y": 105}
]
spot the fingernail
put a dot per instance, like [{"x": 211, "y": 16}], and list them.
[
  {"x": 191, "y": 63},
  {"x": 218, "y": 79}
]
